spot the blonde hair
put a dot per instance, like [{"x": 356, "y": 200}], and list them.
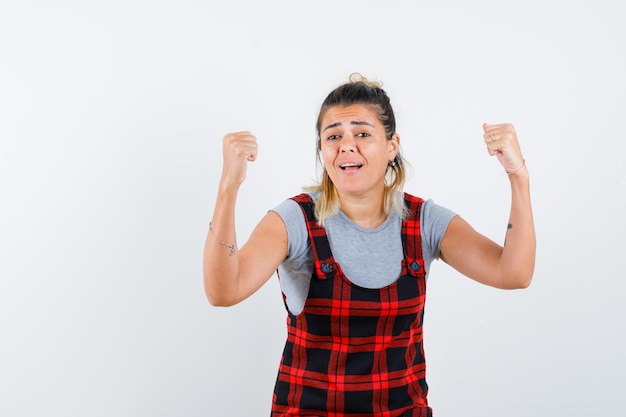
[{"x": 359, "y": 90}]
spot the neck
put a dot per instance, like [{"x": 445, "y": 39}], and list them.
[{"x": 366, "y": 212}]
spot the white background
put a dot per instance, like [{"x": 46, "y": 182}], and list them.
[{"x": 111, "y": 119}]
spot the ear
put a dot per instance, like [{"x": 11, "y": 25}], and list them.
[{"x": 393, "y": 145}]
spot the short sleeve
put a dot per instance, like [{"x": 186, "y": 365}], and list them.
[
  {"x": 295, "y": 271},
  {"x": 297, "y": 234},
  {"x": 435, "y": 220}
]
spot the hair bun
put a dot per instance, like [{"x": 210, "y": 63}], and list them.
[{"x": 356, "y": 77}]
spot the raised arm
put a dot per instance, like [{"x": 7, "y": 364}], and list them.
[
  {"x": 232, "y": 274},
  {"x": 512, "y": 265}
]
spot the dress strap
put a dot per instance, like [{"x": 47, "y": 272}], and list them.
[
  {"x": 412, "y": 234},
  {"x": 323, "y": 256}
]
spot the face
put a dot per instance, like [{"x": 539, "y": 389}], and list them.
[{"x": 355, "y": 149}]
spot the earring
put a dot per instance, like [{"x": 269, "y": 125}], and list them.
[{"x": 392, "y": 164}]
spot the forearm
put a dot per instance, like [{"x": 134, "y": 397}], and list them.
[
  {"x": 221, "y": 254},
  {"x": 518, "y": 255}
]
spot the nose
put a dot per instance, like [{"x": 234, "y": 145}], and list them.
[{"x": 348, "y": 144}]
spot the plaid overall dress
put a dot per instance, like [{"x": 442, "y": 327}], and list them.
[{"x": 353, "y": 351}]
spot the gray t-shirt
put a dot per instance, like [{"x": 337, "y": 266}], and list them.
[{"x": 370, "y": 258}]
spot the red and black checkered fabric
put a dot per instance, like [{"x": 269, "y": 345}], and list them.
[{"x": 354, "y": 351}]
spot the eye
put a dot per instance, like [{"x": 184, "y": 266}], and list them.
[
  {"x": 333, "y": 137},
  {"x": 363, "y": 135}
]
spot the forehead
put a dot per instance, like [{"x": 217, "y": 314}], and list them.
[{"x": 353, "y": 112}]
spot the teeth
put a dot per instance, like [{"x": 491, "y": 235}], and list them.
[{"x": 349, "y": 165}]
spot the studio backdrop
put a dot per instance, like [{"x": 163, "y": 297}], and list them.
[{"x": 111, "y": 121}]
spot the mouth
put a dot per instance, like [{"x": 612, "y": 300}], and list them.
[{"x": 350, "y": 166}]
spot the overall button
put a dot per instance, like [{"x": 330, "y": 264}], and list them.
[
  {"x": 327, "y": 268},
  {"x": 415, "y": 266}
]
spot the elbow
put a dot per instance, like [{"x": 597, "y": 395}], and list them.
[
  {"x": 219, "y": 292},
  {"x": 218, "y": 297},
  {"x": 520, "y": 281},
  {"x": 523, "y": 284},
  {"x": 220, "y": 303},
  {"x": 219, "y": 300},
  {"x": 526, "y": 276},
  {"x": 519, "y": 276}
]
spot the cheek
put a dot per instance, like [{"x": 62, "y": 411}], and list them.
[{"x": 327, "y": 155}]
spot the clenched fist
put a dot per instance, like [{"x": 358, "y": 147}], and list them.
[
  {"x": 502, "y": 142},
  {"x": 238, "y": 149}
]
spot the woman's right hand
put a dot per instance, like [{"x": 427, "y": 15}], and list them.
[
  {"x": 232, "y": 274},
  {"x": 238, "y": 148}
]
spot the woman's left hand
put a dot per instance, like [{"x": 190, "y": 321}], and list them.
[
  {"x": 478, "y": 257},
  {"x": 502, "y": 142}
]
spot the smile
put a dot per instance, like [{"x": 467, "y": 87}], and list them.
[{"x": 350, "y": 165}]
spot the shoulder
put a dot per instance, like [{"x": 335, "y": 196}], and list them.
[
  {"x": 291, "y": 211},
  {"x": 302, "y": 198},
  {"x": 433, "y": 211},
  {"x": 411, "y": 197},
  {"x": 429, "y": 210},
  {"x": 292, "y": 204},
  {"x": 412, "y": 208}
]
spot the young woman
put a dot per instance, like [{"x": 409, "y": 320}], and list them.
[{"x": 352, "y": 256}]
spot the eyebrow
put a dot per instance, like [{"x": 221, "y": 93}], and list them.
[{"x": 354, "y": 123}]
